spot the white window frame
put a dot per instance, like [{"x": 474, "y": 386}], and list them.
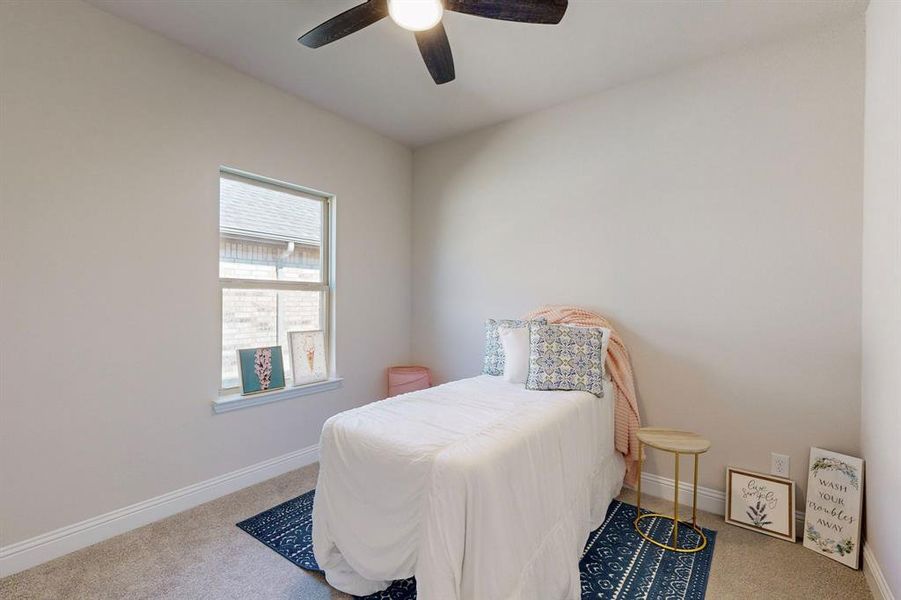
[{"x": 230, "y": 398}]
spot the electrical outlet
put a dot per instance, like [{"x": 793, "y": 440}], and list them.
[{"x": 779, "y": 464}]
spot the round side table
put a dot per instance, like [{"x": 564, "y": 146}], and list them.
[{"x": 677, "y": 442}]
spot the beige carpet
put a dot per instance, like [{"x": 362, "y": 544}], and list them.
[{"x": 200, "y": 554}]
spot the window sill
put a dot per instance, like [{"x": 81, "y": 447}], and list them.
[{"x": 237, "y": 401}]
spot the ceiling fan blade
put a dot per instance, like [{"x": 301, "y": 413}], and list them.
[
  {"x": 436, "y": 53},
  {"x": 548, "y": 12},
  {"x": 348, "y": 22}
]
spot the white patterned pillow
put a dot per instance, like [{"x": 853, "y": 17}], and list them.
[
  {"x": 494, "y": 350},
  {"x": 564, "y": 357}
]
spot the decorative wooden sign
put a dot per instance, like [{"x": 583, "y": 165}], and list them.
[
  {"x": 832, "y": 517},
  {"x": 761, "y": 503}
]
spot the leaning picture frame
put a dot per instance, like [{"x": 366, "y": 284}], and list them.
[
  {"x": 309, "y": 362},
  {"x": 833, "y": 511},
  {"x": 762, "y": 503},
  {"x": 261, "y": 369}
]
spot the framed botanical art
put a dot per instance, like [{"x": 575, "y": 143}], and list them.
[
  {"x": 261, "y": 369},
  {"x": 761, "y": 503},
  {"x": 308, "y": 360},
  {"x": 832, "y": 515}
]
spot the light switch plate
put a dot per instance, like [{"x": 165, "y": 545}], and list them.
[{"x": 779, "y": 465}]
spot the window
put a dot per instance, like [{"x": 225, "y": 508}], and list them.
[{"x": 273, "y": 266}]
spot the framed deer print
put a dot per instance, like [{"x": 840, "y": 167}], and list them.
[
  {"x": 759, "y": 502},
  {"x": 308, "y": 360},
  {"x": 832, "y": 515}
]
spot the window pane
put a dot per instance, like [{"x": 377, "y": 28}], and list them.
[
  {"x": 267, "y": 232},
  {"x": 267, "y": 260},
  {"x": 253, "y": 318}
]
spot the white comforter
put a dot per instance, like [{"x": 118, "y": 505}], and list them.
[{"x": 481, "y": 489}]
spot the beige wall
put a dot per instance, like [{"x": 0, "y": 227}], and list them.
[
  {"x": 112, "y": 138},
  {"x": 881, "y": 402},
  {"x": 714, "y": 213}
]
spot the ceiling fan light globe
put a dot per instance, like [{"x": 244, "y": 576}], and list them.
[{"x": 416, "y": 15}]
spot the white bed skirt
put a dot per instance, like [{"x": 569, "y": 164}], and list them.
[{"x": 480, "y": 488}]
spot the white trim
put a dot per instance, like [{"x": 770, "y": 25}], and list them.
[
  {"x": 39, "y": 549},
  {"x": 325, "y": 285},
  {"x": 278, "y": 183},
  {"x": 237, "y": 401},
  {"x": 229, "y": 283},
  {"x": 875, "y": 577},
  {"x": 330, "y": 305},
  {"x": 709, "y": 499}
]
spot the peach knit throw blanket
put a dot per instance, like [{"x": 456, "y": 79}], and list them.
[{"x": 627, "y": 420}]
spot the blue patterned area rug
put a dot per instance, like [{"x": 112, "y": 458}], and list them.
[{"x": 617, "y": 563}]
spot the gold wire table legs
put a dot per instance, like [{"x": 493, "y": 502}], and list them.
[
  {"x": 675, "y": 518},
  {"x": 694, "y": 495},
  {"x": 676, "y": 506},
  {"x": 640, "y": 455}
]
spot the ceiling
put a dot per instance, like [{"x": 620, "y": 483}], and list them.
[{"x": 376, "y": 76}]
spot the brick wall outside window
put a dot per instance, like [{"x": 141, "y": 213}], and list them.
[{"x": 253, "y": 318}]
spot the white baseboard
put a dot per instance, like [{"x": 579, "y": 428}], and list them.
[
  {"x": 34, "y": 551},
  {"x": 709, "y": 499},
  {"x": 875, "y": 577}
]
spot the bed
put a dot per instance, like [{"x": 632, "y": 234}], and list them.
[{"x": 480, "y": 488}]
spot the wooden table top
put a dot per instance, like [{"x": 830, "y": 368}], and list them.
[{"x": 673, "y": 440}]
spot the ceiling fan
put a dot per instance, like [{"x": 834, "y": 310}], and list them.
[{"x": 423, "y": 18}]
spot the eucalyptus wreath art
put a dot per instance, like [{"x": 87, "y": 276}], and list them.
[
  {"x": 833, "y": 506},
  {"x": 829, "y": 545},
  {"x": 833, "y": 464}
]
